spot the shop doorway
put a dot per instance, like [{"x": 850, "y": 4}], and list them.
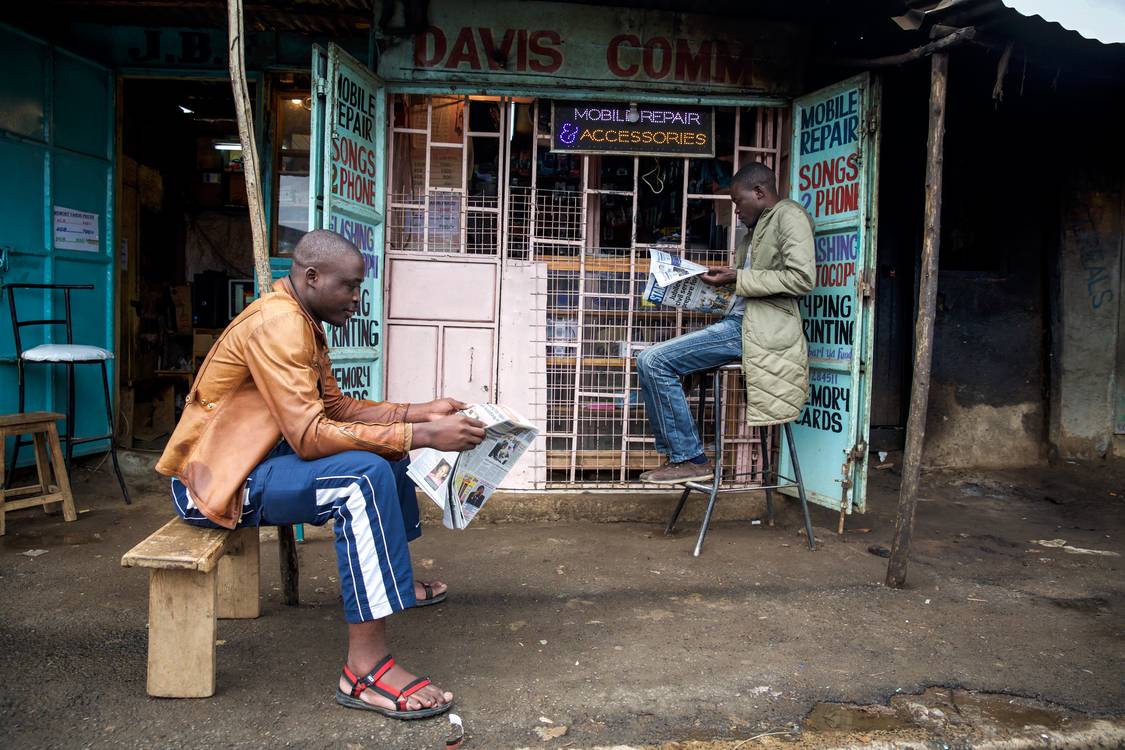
[{"x": 186, "y": 261}]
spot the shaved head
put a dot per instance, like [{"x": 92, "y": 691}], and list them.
[
  {"x": 327, "y": 274},
  {"x": 319, "y": 248}
]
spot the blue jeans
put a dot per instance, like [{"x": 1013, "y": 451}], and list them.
[
  {"x": 374, "y": 507},
  {"x": 659, "y": 369}
]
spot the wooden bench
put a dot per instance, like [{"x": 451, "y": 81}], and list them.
[
  {"x": 41, "y": 426},
  {"x": 196, "y": 575}
]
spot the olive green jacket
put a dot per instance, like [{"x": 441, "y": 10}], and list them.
[{"x": 775, "y": 357}]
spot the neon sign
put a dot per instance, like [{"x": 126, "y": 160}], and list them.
[{"x": 632, "y": 129}]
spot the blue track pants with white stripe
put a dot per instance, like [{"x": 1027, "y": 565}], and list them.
[{"x": 374, "y": 507}]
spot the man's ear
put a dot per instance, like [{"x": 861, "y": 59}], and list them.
[{"x": 312, "y": 276}]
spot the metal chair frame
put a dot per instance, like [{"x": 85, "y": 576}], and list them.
[
  {"x": 68, "y": 438},
  {"x": 715, "y": 488}
]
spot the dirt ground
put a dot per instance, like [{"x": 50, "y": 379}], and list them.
[{"x": 613, "y": 630}]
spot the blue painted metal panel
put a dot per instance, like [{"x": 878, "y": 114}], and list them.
[
  {"x": 57, "y": 152},
  {"x": 23, "y": 69},
  {"x": 834, "y": 169},
  {"x": 347, "y": 195},
  {"x": 81, "y": 105}
]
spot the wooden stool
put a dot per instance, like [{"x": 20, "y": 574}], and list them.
[{"x": 41, "y": 426}]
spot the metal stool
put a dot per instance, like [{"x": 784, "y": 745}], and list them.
[
  {"x": 715, "y": 488},
  {"x": 68, "y": 354}
]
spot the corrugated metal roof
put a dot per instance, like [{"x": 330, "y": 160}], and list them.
[{"x": 1100, "y": 20}]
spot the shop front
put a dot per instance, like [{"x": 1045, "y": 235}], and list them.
[
  {"x": 505, "y": 168},
  {"x": 537, "y": 152}
]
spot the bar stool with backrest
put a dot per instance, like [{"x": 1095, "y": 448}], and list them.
[
  {"x": 715, "y": 487},
  {"x": 68, "y": 355}
]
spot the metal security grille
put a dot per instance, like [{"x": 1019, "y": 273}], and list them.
[
  {"x": 441, "y": 200},
  {"x": 589, "y": 222}
]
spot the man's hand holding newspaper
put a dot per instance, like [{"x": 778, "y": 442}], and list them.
[
  {"x": 461, "y": 482},
  {"x": 449, "y": 433},
  {"x": 675, "y": 282}
]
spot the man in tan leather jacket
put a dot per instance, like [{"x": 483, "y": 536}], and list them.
[
  {"x": 267, "y": 438},
  {"x": 775, "y": 265}
]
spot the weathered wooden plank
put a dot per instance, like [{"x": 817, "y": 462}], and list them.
[
  {"x": 28, "y": 490},
  {"x": 23, "y": 419},
  {"x": 181, "y": 633},
  {"x": 179, "y": 546},
  {"x": 924, "y": 330},
  {"x": 34, "y": 502},
  {"x": 61, "y": 475},
  {"x": 239, "y": 575}
]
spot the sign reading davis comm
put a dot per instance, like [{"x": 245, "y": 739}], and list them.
[{"x": 632, "y": 129}]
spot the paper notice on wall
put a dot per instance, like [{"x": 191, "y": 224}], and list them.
[{"x": 76, "y": 230}]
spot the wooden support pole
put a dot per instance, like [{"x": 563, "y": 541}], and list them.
[
  {"x": 251, "y": 170},
  {"x": 924, "y": 328}
]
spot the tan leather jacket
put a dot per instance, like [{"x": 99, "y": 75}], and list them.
[{"x": 268, "y": 377}]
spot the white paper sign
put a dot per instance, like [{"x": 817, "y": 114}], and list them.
[{"x": 76, "y": 230}]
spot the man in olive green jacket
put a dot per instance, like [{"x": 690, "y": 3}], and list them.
[{"x": 774, "y": 267}]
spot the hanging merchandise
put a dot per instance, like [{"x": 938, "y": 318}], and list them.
[{"x": 654, "y": 178}]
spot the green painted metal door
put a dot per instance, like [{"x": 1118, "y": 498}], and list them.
[
  {"x": 347, "y": 195},
  {"x": 834, "y": 172},
  {"x": 56, "y": 215}
]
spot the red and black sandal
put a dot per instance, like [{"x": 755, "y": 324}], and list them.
[
  {"x": 373, "y": 681},
  {"x": 430, "y": 599}
]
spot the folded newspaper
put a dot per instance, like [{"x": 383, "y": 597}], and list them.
[
  {"x": 461, "y": 482},
  {"x": 675, "y": 282}
]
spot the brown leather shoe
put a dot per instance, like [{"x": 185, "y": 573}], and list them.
[{"x": 685, "y": 471}]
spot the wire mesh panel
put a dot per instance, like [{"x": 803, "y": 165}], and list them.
[
  {"x": 447, "y": 163},
  {"x": 594, "y": 227},
  {"x": 475, "y": 175}
]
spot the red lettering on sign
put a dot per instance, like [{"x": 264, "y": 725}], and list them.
[
  {"x": 421, "y": 46},
  {"x": 497, "y": 56},
  {"x": 464, "y": 51},
  {"x": 613, "y": 55},
  {"x": 347, "y": 153},
  {"x": 550, "y": 58},
  {"x": 728, "y": 68},
  {"x": 539, "y": 51},
  {"x": 665, "y": 47},
  {"x": 829, "y": 172},
  {"x": 521, "y": 50},
  {"x": 683, "y": 59},
  {"x": 689, "y": 67},
  {"x": 837, "y": 200}
]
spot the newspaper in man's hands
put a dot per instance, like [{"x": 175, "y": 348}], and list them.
[
  {"x": 461, "y": 482},
  {"x": 674, "y": 282}
]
